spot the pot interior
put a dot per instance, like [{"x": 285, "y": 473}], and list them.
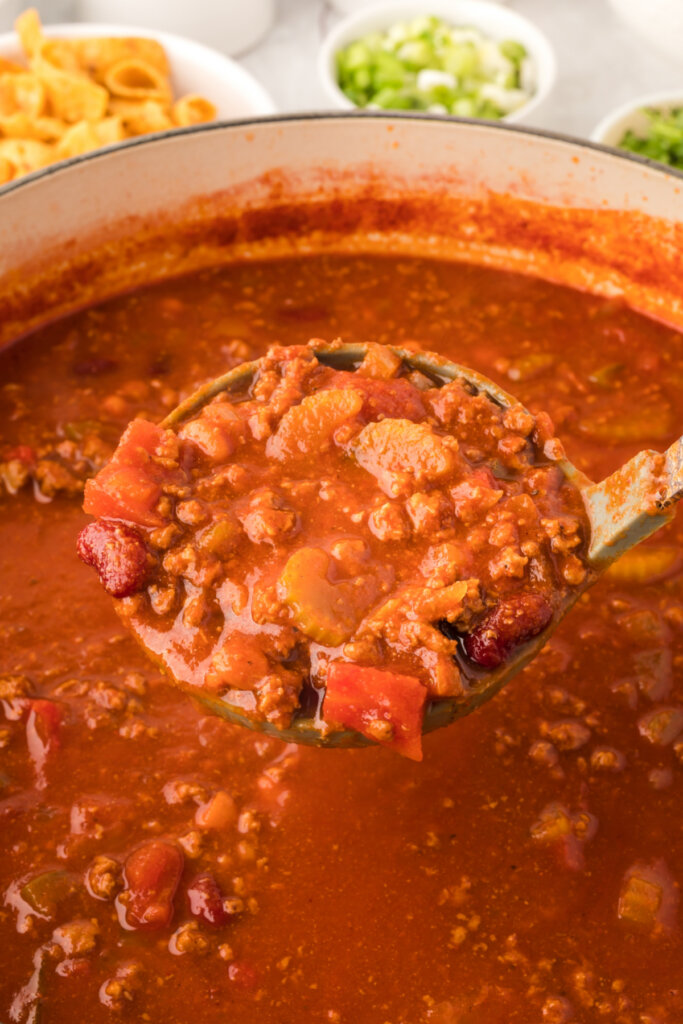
[{"x": 488, "y": 194}]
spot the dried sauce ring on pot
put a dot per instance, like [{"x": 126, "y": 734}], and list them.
[{"x": 340, "y": 543}]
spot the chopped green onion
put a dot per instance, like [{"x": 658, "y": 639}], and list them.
[
  {"x": 427, "y": 64},
  {"x": 663, "y": 140}
]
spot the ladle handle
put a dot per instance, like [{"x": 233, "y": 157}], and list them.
[
  {"x": 673, "y": 475},
  {"x": 633, "y": 502}
]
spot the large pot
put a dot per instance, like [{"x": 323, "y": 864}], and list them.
[
  {"x": 552, "y": 206},
  {"x": 545, "y": 205}
]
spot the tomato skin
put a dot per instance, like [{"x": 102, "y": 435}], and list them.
[
  {"x": 43, "y": 726},
  {"x": 360, "y": 697},
  {"x": 152, "y": 873},
  {"x": 129, "y": 486},
  {"x": 48, "y": 717},
  {"x": 23, "y": 452}
]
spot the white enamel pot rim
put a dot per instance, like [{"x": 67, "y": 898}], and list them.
[
  {"x": 57, "y": 212},
  {"x": 276, "y": 120}
]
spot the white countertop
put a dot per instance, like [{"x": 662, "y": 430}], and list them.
[{"x": 601, "y": 62}]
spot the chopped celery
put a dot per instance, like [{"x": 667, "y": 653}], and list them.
[
  {"x": 220, "y": 537},
  {"x": 640, "y": 901},
  {"x": 649, "y": 897},
  {"x": 44, "y": 892},
  {"x": 427, "y": 64},
  {"x": 532, "y": 365},
  {"x": 76, "y": 430},
  {"x": 324, "y": 611},
  {"x": 662, "y": 725},
  {"x": 646, "y": 564},
  {"x": 607, "y": 376},
  {"x": 634, "y": 426}
]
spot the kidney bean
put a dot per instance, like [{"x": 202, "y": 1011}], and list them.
[
  {"x": 96, "y": 366},
  {"x": 514, "y": 621},
  {"x": 208, "y": 903},
  {"x": 152, "y": 873},
  {"x": 119, "y": 555}
]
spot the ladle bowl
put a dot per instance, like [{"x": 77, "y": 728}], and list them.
[{"x": 624, "y": 509}]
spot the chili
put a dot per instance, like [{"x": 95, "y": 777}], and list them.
[{"x": 529, "y": 869}]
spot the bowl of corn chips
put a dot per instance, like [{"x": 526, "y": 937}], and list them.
[{"x": 66, "y": 90}]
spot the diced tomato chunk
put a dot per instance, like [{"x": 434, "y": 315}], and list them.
[
  {"x": 385, "y": 706},
  {"x": 45, "y": 720},
  {"x": 129, "y": 486},
  {"x": 22, "y": 452},
  {"x": 43, "y": 726},
  {"x": 48, "y": 717},
  {"x": 152, "y": 873}
]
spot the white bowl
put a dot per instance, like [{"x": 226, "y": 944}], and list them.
[
  {"x": 194, "y": 68},
  {"x": 630, "y": 115},
  {"x": 491, "y": 18},
  {"x": 231, "y": 25}
]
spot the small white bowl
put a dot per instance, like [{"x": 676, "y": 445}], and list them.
[
  {"x": 231, "y": 25},
  {"x": 490, "y": 18},
  {"x": 612, "y": 128},
  {"x": 194, "y": 68}
]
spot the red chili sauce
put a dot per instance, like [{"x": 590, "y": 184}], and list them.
[{"x": 159, "y": 864}]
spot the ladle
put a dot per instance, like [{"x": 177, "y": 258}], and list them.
[{"x": 623, "y": 510}]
